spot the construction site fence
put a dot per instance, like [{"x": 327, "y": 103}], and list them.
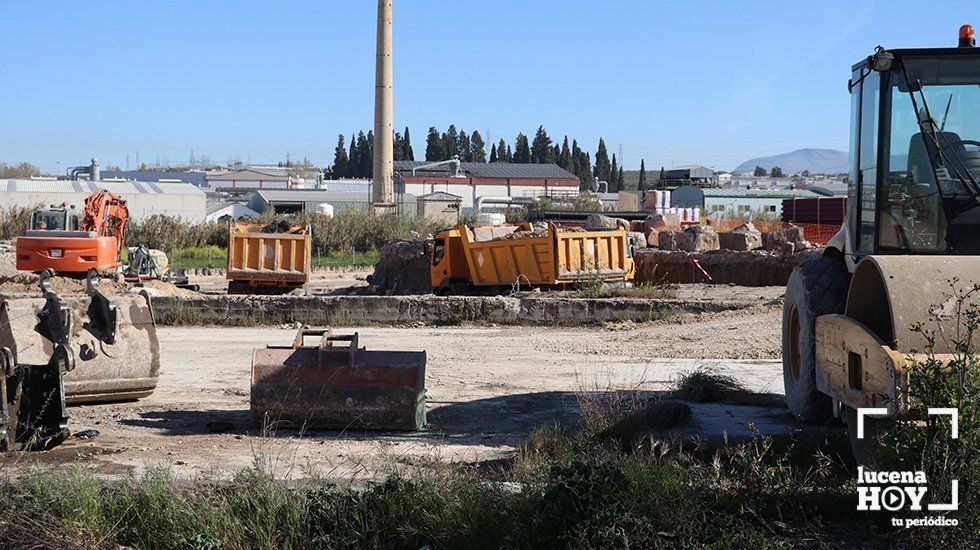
[{"x": 816, "y": 233}]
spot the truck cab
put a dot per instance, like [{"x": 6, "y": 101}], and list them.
[{"x": 447, "y": 262}]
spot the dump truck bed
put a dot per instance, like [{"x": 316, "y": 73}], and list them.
[
  {"x": 547, "y": 257},
  {"x": 267, "y": 259}
]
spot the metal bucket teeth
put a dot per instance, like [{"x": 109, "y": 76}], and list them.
[
  {"x": 337, "y": 387},
  {"x": 125, "y": 369}
]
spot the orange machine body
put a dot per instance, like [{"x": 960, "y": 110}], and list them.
[{"x": 61, "y": 239}]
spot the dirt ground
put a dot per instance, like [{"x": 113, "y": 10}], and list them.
[{"x": 488, "y": 388}]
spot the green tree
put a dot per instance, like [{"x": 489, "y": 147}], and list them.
[
  {"x": 759, "y": 171},
  {"x": 407, "y": 152},
  {"x": 642, "y": 183},
  {"x": 776, "y": 172},
  {"x": 541, "y": 152},
  {"x": 493, "y": 153},
  {"x": 502, "y": 151},
  {"x": 435, "y": 147},
  {"x": 522, "y": 151},
  {"x": 465, "y": 153},
  {"x": 619, "y": 179},
  {"x": 340, "y": 167},
  {"x": 613, "y": 176},
  {"x": 602, "y": 167},
  {"x": 451, "y": 142},
  {"x": 565, "y": 157},
  {"x": 661, "y": 177},
  {"x": 353, "y": 158},
  {"x": 398, "y": 147},
  {"x": 365, "y": 160},
  {"x": 478, "y": 149},
  {"x": 510, "y": 154}
]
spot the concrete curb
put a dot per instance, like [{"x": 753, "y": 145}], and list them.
[{"x": 403, "y": 310}]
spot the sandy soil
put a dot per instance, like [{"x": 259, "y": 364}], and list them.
[{"x": 488, "y": 388}]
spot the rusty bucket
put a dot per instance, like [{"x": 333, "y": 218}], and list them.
[{"x": 337, "y": 385}]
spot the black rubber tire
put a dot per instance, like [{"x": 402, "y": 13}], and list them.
[{"x": 816, "y": 287}]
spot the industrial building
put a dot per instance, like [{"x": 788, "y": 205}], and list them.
[
  {"x": 157, "y": 176},
  {"x": 180, "y": 200},
  {"x": 247, "y": 178},
  {"x": 689, "y": 175},
  {"x": 736, "y": 203},
  {"x": 470, "y": 180},
  {"x": 439, "y": 206},
  {"x": 290, "y": 201}
]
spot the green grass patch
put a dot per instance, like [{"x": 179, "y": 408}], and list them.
[{"x": 215, "y": 256}]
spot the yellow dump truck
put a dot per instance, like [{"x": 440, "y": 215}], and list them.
[
  {"x": 268, "y": 259},
  {"x": 494, "y": 258}
]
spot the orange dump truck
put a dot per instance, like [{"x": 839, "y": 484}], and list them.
[
  {"x": 502, "y": 256},
  {"x": 268, "y": 259}
]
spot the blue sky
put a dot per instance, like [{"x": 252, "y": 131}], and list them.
[{"x": 671, "y": 82}]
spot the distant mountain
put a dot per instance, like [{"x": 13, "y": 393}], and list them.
[{"x": 817, "y": 161}]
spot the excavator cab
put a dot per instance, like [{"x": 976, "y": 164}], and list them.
[{"x": 54, "y": 218}]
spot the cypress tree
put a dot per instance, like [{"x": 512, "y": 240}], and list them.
[
  {"x": 407, "y": 153},
  {"x": 555, "y": 153},
  {"x": 364, "y": 157},
  {"x": 642, "y": 184},
  {"x": 522, "y": 151},
  {"x": 502, "y": 152},
  {"x": 340, "y": 159},
  {"x": 510, "y": 154},
  {"x": 435, "y": 148},
  {"x": 493, "y": 153},
  {"x": 619, "y": 180},
  {"x": 353, "y": 162},
  {"x": 478, "y": 149},
  {"x": 541, "y": 152},
  {"x": 614, "y": 176},
  {"x": 602, "y": 167},
  {"x": 663, "y": 176},
  {"x": 585, "y": 169},
  {"x": 450, "y": 142},
  {"x": 398, "y": 147},
  {"x": 565, "y": 157},
  {"x": 465, "y": 154}
]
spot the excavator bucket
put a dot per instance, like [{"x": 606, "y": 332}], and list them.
[
  {"x": 113, "y": 342},
  {"x": 337, "y": 387}
]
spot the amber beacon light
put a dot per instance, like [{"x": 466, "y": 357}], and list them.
[{"x": 967, "y": 39}]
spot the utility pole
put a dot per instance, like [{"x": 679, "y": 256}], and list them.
[{"x": 383, "y": 188}]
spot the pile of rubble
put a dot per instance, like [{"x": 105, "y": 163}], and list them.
[
  {"x": 402, "y": 269},
  {"x": 664, "y": 231}
]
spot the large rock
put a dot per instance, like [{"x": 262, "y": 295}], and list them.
[
  {"x": 743, "y": 237},
  {"x": 775, "y": 240},
  {"x": 599, "y": 221},
  {"x": 657, "y": 223},
  {"x": 402, "y": 269},
  {"x": 696, "y": 238}
]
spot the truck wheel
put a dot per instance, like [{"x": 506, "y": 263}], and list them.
[{"x": 817, "y": 287}]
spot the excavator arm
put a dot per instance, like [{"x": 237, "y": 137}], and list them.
[{"x": 107, "y": 215}]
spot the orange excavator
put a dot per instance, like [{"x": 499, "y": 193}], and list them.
[{"x": 61, "y": 239}]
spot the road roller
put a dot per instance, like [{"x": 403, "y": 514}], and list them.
[{"x": 912, "y": 230}]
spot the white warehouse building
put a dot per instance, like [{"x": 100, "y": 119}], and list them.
[
  {"x": 736, "y": 203},
  {"x": 179, "y": 200}
]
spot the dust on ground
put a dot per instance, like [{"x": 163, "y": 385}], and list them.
[{"x": 488, "y": 388}]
